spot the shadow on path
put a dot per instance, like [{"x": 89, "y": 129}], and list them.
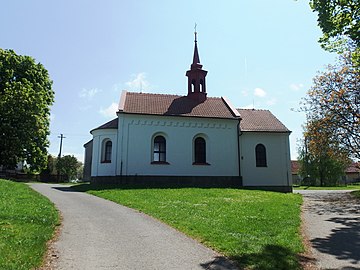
[
  {"x": 65, "y": 189},
  {"x": 342, "y": 211},
  {"x": 343, "y": 242}
]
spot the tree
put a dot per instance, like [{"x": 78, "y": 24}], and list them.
[
  {"x": 25, "y": 98},
  {"x": 68, "y": 166},
  {"x": 321, "y": 157},
  {"x": 334, "y": 102},
  {"x": 339, "y": 21}
]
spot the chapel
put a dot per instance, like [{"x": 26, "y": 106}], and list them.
[{"x": 189, "y": 140}]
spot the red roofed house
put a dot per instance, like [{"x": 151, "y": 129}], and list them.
[{"x": 191, "y": 140}]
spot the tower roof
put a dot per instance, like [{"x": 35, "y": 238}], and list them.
[
  {"x": 196, "y": 59},
  {"x": 196, "y": 77}
]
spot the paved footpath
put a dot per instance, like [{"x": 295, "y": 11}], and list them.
[
  {"x": 99, "y": 234},
  {"x": 332, "y": 224}
]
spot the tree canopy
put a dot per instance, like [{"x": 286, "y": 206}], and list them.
[
  {"x": 339, "y": 21},
  {"x": 332, "y": 130},
  {"x": 25, "y": 98},
  {"x": 321, "y": 156},
  {"x": 68, "y": 166},
  {"x": 334, "y": 102}
]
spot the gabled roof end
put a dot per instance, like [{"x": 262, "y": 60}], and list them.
[
  {"x": 231, "y": 107},
  {"x": 122, "y": 101}
]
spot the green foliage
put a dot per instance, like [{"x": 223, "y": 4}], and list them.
[
  {"x": 27, "y": 222},
  {"x": 257, "y": 229},
  {"x": 68, "y": 166},
  {"x": 332, "y": 106},
  {"x": 333, "y": 103},
  {"x": 356, "y": 194},
  {"x": 25, "y": 99},
  {"x": 339, "y": 21},
  {"x": 50, "y": 166},
  {"x": 321, "y": 158}
]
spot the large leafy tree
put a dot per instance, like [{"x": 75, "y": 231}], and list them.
[
  {"x": 334, "y": 103},
  {"x": 321, "y": 156},
  {"x": 339, "y": 21},
  {"x": 68, "y": 166},
  {"x": 25, "y": 98}
]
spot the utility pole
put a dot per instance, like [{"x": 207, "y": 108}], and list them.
[{"x": 61, "y": 139}]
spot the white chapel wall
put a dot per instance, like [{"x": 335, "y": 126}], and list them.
[
  {"x": 99, "y": 168},
  {"x": 277, "y": 172},
  {"x": 135, "y": 145}
]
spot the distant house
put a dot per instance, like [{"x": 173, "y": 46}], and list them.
[
  {"x": 295, "y": 167},
  {"x": 351, "y": 174},
  {"x": 190, "y": 140}
]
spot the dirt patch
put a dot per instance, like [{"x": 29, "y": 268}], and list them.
[
  {"x": 52, "y": 255},
  {"x": 306, "y": 259}
]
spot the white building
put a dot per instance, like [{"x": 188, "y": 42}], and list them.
[{"x": 191, "y": 140}]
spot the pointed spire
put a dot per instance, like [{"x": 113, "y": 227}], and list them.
[
  {"x": 196, "y": 59},
  {"x": 196, "y": 77}
]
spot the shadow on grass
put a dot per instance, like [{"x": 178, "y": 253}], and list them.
[
  {"x": 271, "y": 257},
  {"x": 88, "y": 187}
]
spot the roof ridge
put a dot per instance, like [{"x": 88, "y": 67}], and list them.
[
  {"x": 168, "y": 95},
  {"x": 155, "y": 94},
  {"x": 253, "y": 109}
]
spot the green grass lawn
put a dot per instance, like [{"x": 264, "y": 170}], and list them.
[
  {"x": 257, "y": 229},
  {"x": 356, "y": 194},
  {"x": 348, "y": 187},
  {"x": 27, "y": 222}
]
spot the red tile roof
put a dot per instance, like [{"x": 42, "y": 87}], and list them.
[
  {"x": 353, "y": 168},
  {"x": 174, "y": 105},
  {"x": 113, "y": 124},
  {"x": 295, "y": 166},
  {"x": 260, "y": 121}
]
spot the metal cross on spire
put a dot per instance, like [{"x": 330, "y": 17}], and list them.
[{"x": 195, "y": 33}]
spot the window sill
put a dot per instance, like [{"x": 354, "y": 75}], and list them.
[
  {"x": 160, "y": 163},
  {"x": 106, "y": 161},
  {"x": 201, "y": 164}
]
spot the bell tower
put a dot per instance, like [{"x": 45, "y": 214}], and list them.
[{"x": 196, "y": 77}]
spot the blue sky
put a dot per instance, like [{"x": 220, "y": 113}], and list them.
[{"x": 257, "y": 53}]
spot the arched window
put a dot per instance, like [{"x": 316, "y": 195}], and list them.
[
  {"x": 200, "y": 151},
  {"x": 106, "y": 151},
  {"x": 193, "y": 82},
  {"x": 260, "y": 155},
  {"x": 159, "y": 149},
  {"x": 202, "y": 86}
]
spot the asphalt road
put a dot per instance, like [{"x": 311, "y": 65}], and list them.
[
  {"x": 332, "y": 224},
  {"x": 99, "y": 234}
]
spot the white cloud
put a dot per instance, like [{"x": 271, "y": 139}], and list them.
[
  {"x": 259, "y": 92},
  {"x": 250, "y": 106},
  {"x": 88, "y": 93},
  {"x": 117, "y": 87},
  {"x": 139, "y": 83},
  {"x": 296, "y": 86},
  {"x": 271, "y": 101},
  {"x": 109, "y": 111},
  {"x": 245, "y": 93}
]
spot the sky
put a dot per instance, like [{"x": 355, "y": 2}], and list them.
[{"x": 258, "y": 53}]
